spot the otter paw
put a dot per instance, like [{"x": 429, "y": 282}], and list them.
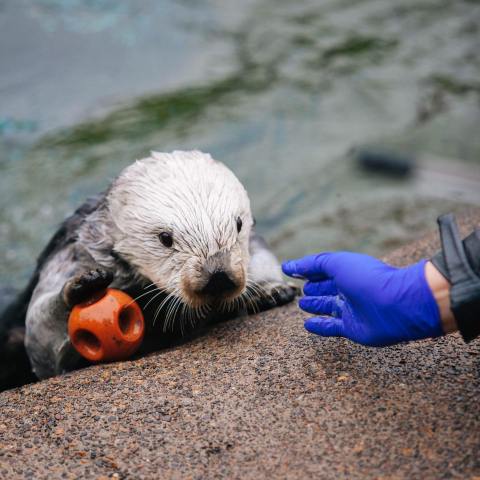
[
  {"x": 273, "y": 295},
  {"x": 83, "y": 286}
]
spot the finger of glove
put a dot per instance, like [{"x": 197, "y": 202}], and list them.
[
  {"x": 325, "y": 326},
  {"x": 318, "y": 289},
  {"x": 323, "y": 305},
  {"x": 314, "y": 267}
]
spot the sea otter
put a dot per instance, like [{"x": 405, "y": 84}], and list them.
[{"x": 173, "y": 230}]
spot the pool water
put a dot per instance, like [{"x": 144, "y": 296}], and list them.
[{"x": 282, "y": 92}]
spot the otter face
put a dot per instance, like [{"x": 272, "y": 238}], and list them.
[{"x": 183, "y": 220}]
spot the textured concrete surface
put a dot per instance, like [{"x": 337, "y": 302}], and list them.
[{"x": 257, "y": 397}]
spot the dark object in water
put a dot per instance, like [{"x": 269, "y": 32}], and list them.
[{"x": 384, "y": 162}]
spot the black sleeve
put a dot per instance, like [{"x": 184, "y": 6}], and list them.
[
  {"x": 471, "y": 246},
  {"x": 459, "y": 263}
]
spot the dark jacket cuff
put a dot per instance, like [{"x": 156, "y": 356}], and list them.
[{"x": 459, "y": 263}]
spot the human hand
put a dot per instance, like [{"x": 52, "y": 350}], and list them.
[{"x": 366, "y": 300}]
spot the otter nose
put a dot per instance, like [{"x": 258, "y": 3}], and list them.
[{"x": 219, "y": 283}]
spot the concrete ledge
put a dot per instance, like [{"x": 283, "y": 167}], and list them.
[{"x": 257, "y": 397}]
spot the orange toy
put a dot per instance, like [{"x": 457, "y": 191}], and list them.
[{"x": 108, "y": 327}]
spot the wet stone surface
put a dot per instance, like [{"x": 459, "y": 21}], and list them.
[{"x": 256, "y": 397}]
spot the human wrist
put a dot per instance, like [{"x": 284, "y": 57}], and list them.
[{"x": 440, "y": 288}]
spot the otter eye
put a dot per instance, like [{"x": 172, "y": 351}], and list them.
[
  {"x": 239, "y": 224},
  {"x": 166, "y": 238}
]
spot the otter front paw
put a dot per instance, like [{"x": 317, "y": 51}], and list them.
[
  {"x": 272, "y": 295},
  {"x": 83, "y": 286}
]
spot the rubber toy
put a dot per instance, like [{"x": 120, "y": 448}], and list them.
[{"x": 107, "y": 327}]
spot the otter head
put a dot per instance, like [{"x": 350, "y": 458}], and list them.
[{"x": 183, "y": 221}]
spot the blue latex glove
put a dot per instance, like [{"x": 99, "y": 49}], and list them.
[{"x": 366, "y": 300}]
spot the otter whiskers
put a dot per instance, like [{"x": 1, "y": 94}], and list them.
[
  {"x": 175, "y": 307},
  {"x": 153, "y": 290}
]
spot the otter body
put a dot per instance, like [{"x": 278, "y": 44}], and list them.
[{"x": 173, "y": 230}]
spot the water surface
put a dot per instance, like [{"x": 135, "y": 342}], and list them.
[{"x": 280, "y": 91}]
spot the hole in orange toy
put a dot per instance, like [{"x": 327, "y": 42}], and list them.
[
  {"x": 88, "y": 341},
  {"x": 129, "y": 322}
]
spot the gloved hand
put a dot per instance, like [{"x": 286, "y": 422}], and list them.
[{"x": 365, "y": 300}]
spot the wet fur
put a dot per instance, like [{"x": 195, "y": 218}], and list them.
[
  {"x": 16, "y": 369},
  {"x": 95, "y": 238}
]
